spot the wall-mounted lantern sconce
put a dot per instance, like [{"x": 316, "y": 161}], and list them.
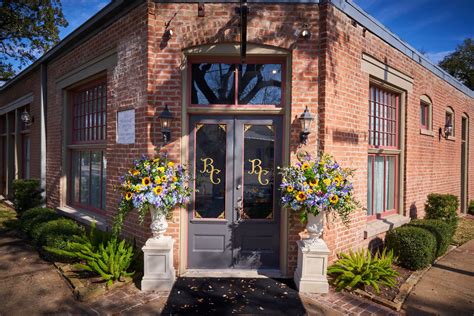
[
  {"x": 165, "y": 119},
  {"x": 305, "y": 32},
  {"x": 26, "y": 118},
  {"x": 306, "y": 119},
  {"x": 448, "y": 130}
]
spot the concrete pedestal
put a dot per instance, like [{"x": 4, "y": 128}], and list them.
[
  {"x": 311, "y": 274},
  {"x": 159, "y": 273}
]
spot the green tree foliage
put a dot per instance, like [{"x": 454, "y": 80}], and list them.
[
  {"x": 460, "y": 63},
  {"x": 360, "y": 269},
  {"x": 28, "y": 28}
]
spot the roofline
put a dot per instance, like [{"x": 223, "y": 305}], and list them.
[
  {"x": 113, "y": 11},
  {"x": 374, "y": 26},
  {"x": 100, "y": 20}
]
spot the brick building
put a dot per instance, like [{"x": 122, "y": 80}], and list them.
[{"x": 381, "y": 108}]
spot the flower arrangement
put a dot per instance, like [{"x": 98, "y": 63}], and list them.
[
  {"x": 311, "y": 186},
  {"x": 157, "y": 183}
]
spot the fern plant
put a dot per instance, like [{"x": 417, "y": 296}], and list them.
[
  {"x": 101, "y": 253},
  {"x": 360, "y": 269}
]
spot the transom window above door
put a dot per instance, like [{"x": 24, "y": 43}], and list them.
[{"x": 227, "y": 83}]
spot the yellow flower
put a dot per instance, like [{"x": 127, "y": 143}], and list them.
[
  {"x": 138, "y": 187},
  {"x": 156, "y": 160},
  {"x": 338, "y": 179},
  {"x": 128, "y": 196},
  {"x": 158, "y": 190},
  {"x": 305, "y": 183},
  {"x": 301, "y": 196},
  {"x": 164, "y": 179},
  {"x": 174, "y": 179},
  {"x": 314, "y": 182},
  {"x": 310, "y": 191},
  {"x": 157, "y": 180},
  {"x": 327, "y": 182},
  {"x": 305, "y": 166},
  {"x": 334, "y": 199},
  {"x": 289, "y": 188},
  {"x": 161, "y": 169},
  {"x": 134, "y": 172},
  {"x": 171, "y": 164},
  {"x": 146, "y": 181}
]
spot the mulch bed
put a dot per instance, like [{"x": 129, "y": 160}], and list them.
[
  {"x": 391, "y": 293},
  {"x": 233, "y": 295}
]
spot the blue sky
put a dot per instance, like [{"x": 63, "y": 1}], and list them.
[{"x": 435, "y": 27}]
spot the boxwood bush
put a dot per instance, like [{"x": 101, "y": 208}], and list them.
[
  {"x": 59, "y": 227},
  {"x": 470, "y": 209},
  {"x": 26, "y": 194},
  {"x": 414, "y": 246},
  {"x": 441, "y": 230},
  {"x": 442, "y": 206},
  {"x": 30, "y": 220}
]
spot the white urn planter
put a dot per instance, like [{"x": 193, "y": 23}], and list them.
[
  {"x": 159, "y": 224},
  {"x": 310, "y": 275},
  {"x": 159, "y": 273}
]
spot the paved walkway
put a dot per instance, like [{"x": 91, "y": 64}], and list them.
[
  {"x": 448, "y": 287},
  {"x": 31, "y": 286}
]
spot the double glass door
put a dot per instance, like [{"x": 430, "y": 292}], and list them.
[{"x": 234, "y": 218}]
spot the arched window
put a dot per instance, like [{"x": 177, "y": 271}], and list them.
[
  {"x": 426, "y": 113},
  {"x": 450, "y": 121}
]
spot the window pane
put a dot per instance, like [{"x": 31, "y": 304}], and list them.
[
  {"x": 213, "y": 84},
  {"x": 210, "y": 171},
  {"x": 379, "y": 184},
  {"x": 85, "y": 177},
  {"x": 390, "y": 183},
  {"x": 26, "y": 156},
  {"x": 260, "y": 84},
  {"x": 96, "y": 162},
  {"x": 75, "y": 175},
  {"x": 423, "y": 110},
  {"x": 259, "y": 149},
  {"x": 369, "y": 185},
  {"x": 383, "y": 122}
]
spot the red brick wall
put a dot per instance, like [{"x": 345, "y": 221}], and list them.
[
  {"x": 29, "y": 84},
  {"x": 431, "y": 165},
  {"x": 126, "y": 88},
  {"x": 273, "y": 25}
]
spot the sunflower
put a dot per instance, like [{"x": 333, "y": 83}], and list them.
[
  {"x": 128, "y": 196},
  {"x": 157, "y": 180},
  {"x": 161, "y": 169},
  {"x": 314, "y": 182},
  {"x": 310, "y": 191},
  {"x": 327, "y": 182},
  {"x": 338, "y": 180},
  {"x": 157, "y": 190},
  {"x": 134, "y": 172},
  {"x": 305, "y": 166},
  {"x": 171, "y": 164},
  {"x": 301, "y": 196},
  {"x": 164, "y": 179},
  {"x": 174, "y": 179},
  {"x": 289, "y": 188},
  {"x": 156, "y": 160},
  {"x": 334, "y": 199},
  {"x": 146, "y": 181}
]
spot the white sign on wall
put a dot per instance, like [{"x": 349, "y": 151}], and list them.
[{"x": 126, "y": 127}]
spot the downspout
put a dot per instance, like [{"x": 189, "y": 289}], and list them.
[{"x": 43, "y": 107}]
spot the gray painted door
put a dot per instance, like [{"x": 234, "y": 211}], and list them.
[{"x": 234, "y": 218}]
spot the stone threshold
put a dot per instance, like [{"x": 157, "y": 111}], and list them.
[{"x": 233, "y": 273}]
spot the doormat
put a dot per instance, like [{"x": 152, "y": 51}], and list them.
[{"x": 233, "y": 296}]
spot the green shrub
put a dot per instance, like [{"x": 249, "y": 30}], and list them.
[
  {"x": 31, "y": 222},
  {"x": 442, "y": 206},
  {"x": 33, "y": 212},
  {"x": 361, "y": 269},
  {"x": 442, "y": 231},
  {"x": 470, "y": 209},
  {"x": 58, "y": 227},
  {"x": 414, "y": 247},
  {"x": 26, "y": 194},
  {"x": 101, "y": 253}
]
